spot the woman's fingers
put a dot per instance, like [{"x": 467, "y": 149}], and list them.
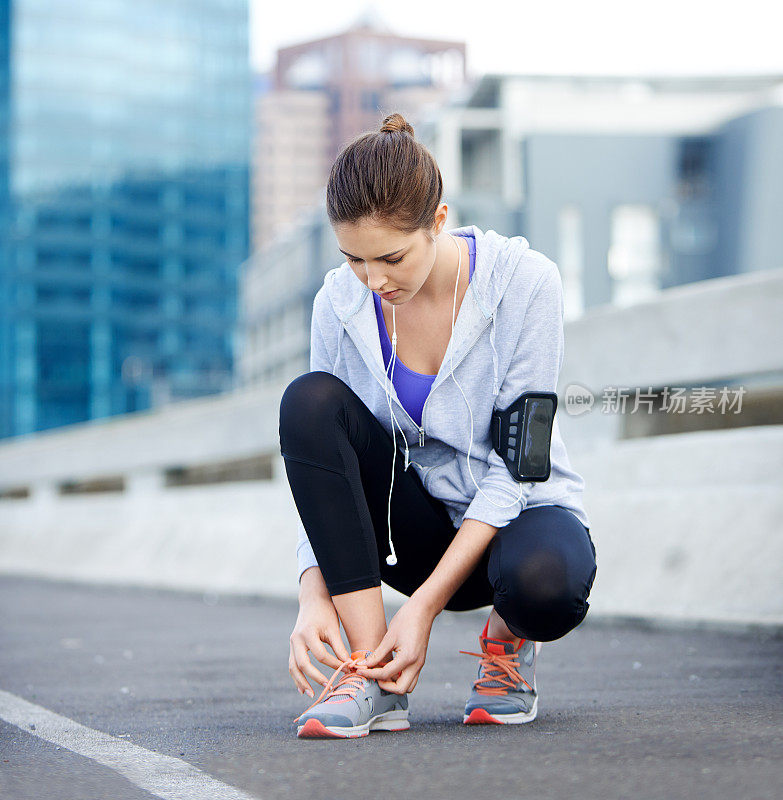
[
  {"x": 405, "y": 682},
  {"x": 384, "y": 648},
  {"x": 300, "y": 649},
  {"x": 324, "y": 656},
  {"x": 406, "y": 679},
  {"x": 336, "y": 643},
  {"x": 387, "y": 671},
  {"x": 310, "y": 670},
  {"x": 296, "y": 674}
]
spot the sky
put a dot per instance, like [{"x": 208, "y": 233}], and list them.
[{"x": 606, "y": 37}]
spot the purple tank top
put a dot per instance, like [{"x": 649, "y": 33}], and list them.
[{"x": 412, "y": 387}]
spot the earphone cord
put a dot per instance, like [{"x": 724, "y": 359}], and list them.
[
  {"x": 453, "y": 322},
  {"x": 391, "y": 560}
]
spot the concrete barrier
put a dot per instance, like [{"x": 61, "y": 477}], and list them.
[{"x": 687, "y": 526}]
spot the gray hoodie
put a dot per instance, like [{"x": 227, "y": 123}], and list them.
[{"x": 508, "y": 339}]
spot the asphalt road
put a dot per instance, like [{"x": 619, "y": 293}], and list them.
[{"x": 186, "y": 695}]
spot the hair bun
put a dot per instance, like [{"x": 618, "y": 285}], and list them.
[{"x": 396, "y": 122}]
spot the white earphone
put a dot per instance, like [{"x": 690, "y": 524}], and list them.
[{"x": 391, "y": 560}]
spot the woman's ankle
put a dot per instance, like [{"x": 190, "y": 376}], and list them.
[
  {"x": 363, "y": 618},
  {"x": 497, "y": 629}
]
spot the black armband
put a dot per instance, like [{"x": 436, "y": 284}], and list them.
[{"x": 522, "y": 435}]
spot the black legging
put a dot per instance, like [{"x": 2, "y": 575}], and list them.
[{"x": 537, "y": 571}]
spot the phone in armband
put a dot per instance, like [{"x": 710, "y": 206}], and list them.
[{"x": 522, "y": 435}]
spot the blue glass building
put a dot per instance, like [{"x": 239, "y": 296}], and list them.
[{"x": 124, "y": 169}]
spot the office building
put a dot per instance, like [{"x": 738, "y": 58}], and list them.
[{"x": 124, "y": 136}]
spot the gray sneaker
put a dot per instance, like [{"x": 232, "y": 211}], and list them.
[
  {"x": 363, "y": 706},
  {"x": 505, "y": 690}
]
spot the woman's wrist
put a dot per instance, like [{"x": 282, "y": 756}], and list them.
[
  {"x": 456, "y": 564},
  {"x": 312, "y": 585},
  {"x": 429, "y": 600}
]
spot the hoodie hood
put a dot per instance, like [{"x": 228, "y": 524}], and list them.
[{"x": 497, "y": 257}]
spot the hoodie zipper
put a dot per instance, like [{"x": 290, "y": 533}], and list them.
[{"x": 420, "y": 428}]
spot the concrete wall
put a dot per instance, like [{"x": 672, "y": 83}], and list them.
[{"x": 688, "y": 526}]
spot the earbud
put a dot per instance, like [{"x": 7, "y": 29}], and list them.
[{"x": 391, "y": 560}]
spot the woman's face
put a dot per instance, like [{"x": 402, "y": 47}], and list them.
[{"x": 384, "y": 259}]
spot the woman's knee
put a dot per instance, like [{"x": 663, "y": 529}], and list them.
[
  {"x": 543, "y": 595},
  {"x": 310, "y": 391},
  {"x": 306, "y": 401}
]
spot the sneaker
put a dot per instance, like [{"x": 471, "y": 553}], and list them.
[
  {"x": 364, "y": 706},
  {"x": 505, "y": 689}
]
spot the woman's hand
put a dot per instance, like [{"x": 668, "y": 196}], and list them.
[
  {"x": 408, "y": 635},
  {"x": 317, "y": 623}
]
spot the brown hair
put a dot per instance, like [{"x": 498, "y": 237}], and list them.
[{"x": 386, "y": 176}]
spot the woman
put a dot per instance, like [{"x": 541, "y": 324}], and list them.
[{"x": 478, "y": 317}]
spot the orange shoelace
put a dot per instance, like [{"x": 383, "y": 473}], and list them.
[
  {"x": 349, "y": 684},
  {"x": 506, "y": 662}
]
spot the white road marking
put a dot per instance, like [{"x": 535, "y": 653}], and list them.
[{"x": 166, "y": 777}]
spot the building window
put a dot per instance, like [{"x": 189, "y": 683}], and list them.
[
  {"x": 570, "y": 259},
  {"x": 635, "y": 258},
  {"x": 694, "y": 166}
]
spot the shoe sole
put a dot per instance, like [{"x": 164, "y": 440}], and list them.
[
  {"x": 390, "y": 721},
  {"x": 479, "y": 716}
]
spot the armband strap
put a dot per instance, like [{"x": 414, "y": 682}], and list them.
[{"x": 522, "y": 435}]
